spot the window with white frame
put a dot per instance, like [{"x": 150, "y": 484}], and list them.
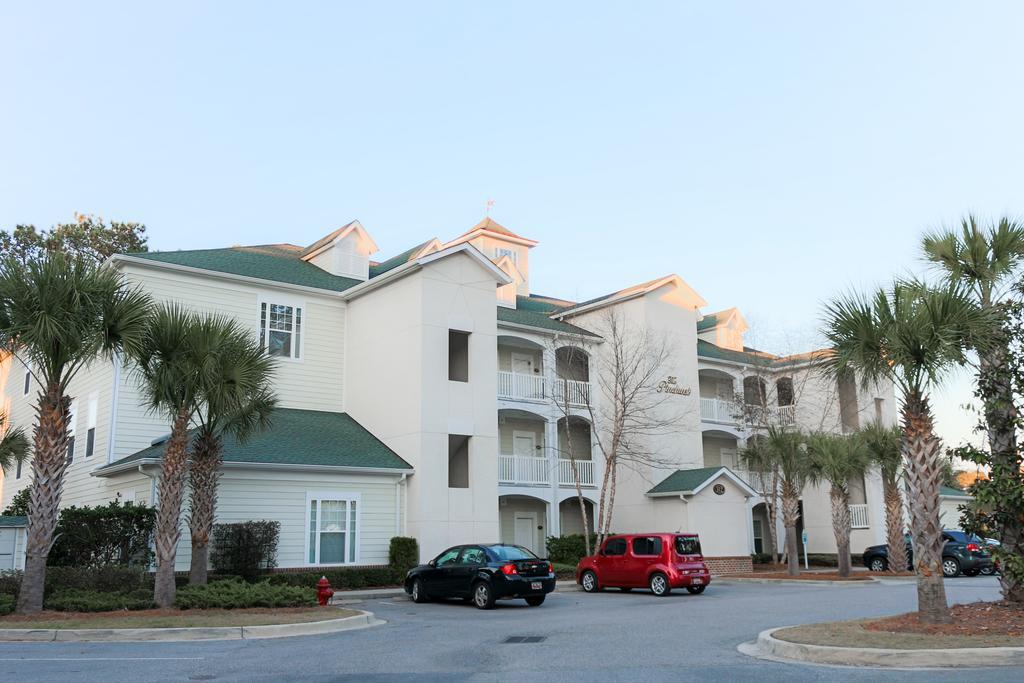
[
  {"x": 90, "y": 433},
  {"x": 28, "y": 380},
  {"x": 333, "y": 528},
  {"x": 502, "y": 251},
  {"x": 72, "y": 424},
  {"x": 281, "y": 329}
]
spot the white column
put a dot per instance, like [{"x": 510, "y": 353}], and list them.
[{"x": 551, "y": 450}]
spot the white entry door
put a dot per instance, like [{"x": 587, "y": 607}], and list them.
[
  {"x": 524, "y": 444},
  {"x": 525, "y": 530},
  {"x": 522, "y": 363},
  {"x": 729, "y": 458}
]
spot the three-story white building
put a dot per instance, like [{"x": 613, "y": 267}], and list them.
[{"x": 433, "y": 394}]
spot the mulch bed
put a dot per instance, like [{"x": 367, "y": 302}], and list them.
[
  {"x": 975, "y": 619},
  {"x": 8, "y": 620}
]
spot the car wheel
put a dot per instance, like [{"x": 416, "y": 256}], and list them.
[
  {"x": 950, "y": 567},
  {"x": 659, "y": 584},
  {"x": 696, "y": 590},
  {"x": 417, "y": 593},
  {"x": 535, "y": 600},
  {"x": 625, "y": 589},
  {"x": 589, "y": 582},
  {"x": 988, "y": 571},
  {"x": 483, "y": 596},
  {"x": 878, "y": 565}
]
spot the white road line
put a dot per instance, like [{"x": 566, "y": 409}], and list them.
[{"x": 101, "y": 659}]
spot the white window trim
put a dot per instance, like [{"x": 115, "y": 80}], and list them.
[
  {"x": 505, "y": 251},
  {"x": 350, "y": 496},
  {"x": 284, "y": 301},
  {"x": 26, "y": 381}
]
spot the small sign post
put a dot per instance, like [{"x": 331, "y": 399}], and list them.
[{"x": 803, "y": 537}]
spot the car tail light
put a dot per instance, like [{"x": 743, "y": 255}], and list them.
[
  {"x": 551, "y": 568},
  {"x": 509, "y": 569},
  {"x": 973, "y": 548}
]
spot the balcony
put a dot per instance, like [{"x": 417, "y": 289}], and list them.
[
  {"x": 717, "y": 410},
  {"x": 728, "y": 412},
  {"x": 759, "y": 481},
  {"x": 529, "y": 471},
  {"x": 535, "y": 388},
  {"x": 859, "y": 516}
]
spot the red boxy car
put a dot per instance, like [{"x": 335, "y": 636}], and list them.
[{"x": 660, "y": 562}]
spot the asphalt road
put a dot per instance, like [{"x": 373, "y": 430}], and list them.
[{"x": 609, "y": 636}]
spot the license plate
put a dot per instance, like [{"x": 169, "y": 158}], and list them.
[
  {"x": 536, "y": 585},
  {"x": 696, "y": 582}
]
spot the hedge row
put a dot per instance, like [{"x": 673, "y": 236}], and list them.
[
  {"x": 344, "y": 578},
  {"x": 95, "y": 601},
  {"x": 236, "y": 594}
]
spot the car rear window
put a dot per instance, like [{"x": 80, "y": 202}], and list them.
[
  {"x": 647, "y": 545},
  {"x": 512, "y": 552},
  {"x": 687, "y": 545}
]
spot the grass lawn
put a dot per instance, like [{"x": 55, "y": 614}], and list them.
[
  {"x": 979, "y": 624},
  {"x": 172, "y": 618}
]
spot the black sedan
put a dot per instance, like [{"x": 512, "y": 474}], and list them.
[
  {"x": 483, "y": 574},
  {"x": 962, "y": 554}
]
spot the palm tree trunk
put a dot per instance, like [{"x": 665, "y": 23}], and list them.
[
  {"x": 48, "y": 464},
  {"x": 840, "y": 499},
  {"x": 790, "y": 516},
  {"x": 204, "y": 475},
  {"x": 894, "y": 525},
  {"x": 1001, "y": 421},
  {"x": 168, "y": 514},
  {"x": 924, "y": 476}
]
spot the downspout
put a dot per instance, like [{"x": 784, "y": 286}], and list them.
[{"x": 399, "y": 520}]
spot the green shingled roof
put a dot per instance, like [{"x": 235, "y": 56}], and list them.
[
  {"x": 12, "y": 521},
  {"x": 299, "y": 437},
  {"x": 530, "y": 316},
  {"x": 395, "y": 261},
  {"x": 682, "y": 481},
  {"x": 276, "y": 262},
  {"x": 707, "y": 322},
  {"x": 950, "y": 491},
  {"x": 706, "y": 349}
]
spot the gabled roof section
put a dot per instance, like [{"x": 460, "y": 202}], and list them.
[
  {"x": 634, "y": 292},
  {"x": 495, "y": 229},
  {"x": 412, "y": 254},
  {"x": 273, "y": 262},
  {"x": 712, "y": 320},
  {"x": 339, "y": 234},
  {"x": 692, "y": 482},
  {"x": 950, "y": 492},
  {"x": 8, "y": 521},
  {"x": 749, "y": 356},
  {"x": 296, "y": 438}
]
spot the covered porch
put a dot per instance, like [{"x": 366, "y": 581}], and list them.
[{"x": 523, "y": 520}]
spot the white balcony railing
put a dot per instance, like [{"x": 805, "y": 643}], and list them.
[
  {"x": 576, "y": 391},
  {"x": 522, "y": 469},
  {"x": 521, "y": 386},
  {"x": 717, "y": 410},
  {"x": 859, "y": 516},
  {"x": 759, "y": 481},
  {"x": 728, "y": 412},
  {"x": 584, "y": 468}
]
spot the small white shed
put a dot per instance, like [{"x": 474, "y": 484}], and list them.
[{"x": 13, "y": 531}]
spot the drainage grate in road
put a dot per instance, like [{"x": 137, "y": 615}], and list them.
[{"x": 525, "y": 639}]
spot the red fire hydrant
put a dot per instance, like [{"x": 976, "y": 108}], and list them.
[{"x": 324, "y": 592}]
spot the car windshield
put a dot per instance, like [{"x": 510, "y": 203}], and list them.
[
  {"x": 687, "y": 545},
  {"x": 512, "y": 552}
]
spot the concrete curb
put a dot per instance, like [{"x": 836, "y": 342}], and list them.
[
  {"x": 123, "y": 635},
  {"x": 964, "y": 657}
]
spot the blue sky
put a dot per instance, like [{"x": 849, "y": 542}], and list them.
[{"x": 772, "y": 154}]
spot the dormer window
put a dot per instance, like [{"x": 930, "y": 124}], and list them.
[{"x": 503, "y": 251}]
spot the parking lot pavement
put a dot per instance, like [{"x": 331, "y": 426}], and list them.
[{"x": 573, "y": 636}]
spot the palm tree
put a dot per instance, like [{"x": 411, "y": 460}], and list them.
[
  {"x": 785, "y": 452},
  {"x": 59, "y": 314},
  {"x": 838, "y": 460},
  {"x": 911, "y": 335},
  {"x": 986, "y": 260},
  {"x": 169, "y": 371},
  {"x": 236, "y": 399},
  {"x": 883, "y": 444},
  {"x": 14, "y": 445}
]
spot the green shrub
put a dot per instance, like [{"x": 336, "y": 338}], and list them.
[
  {"x": 761, "y": 558},
  {"x": 6, "y": 604},
  {"x": 95, "y": 601},
  {"x": 237, "y": 594},
  {"x": 10, "y": 583},
  {"x": 567, "y": 549},
  {"x": 18, "y": 507},
  {"x": 342, "y": 578},
  {"x": 108, "y": 579},
  {"x": 245, "y": 549},
  {"x": 101, "y": 535},
  {"x": 403, "y": 553}
]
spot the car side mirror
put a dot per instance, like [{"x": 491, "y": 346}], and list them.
[{"x": 432, "y": 563}]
